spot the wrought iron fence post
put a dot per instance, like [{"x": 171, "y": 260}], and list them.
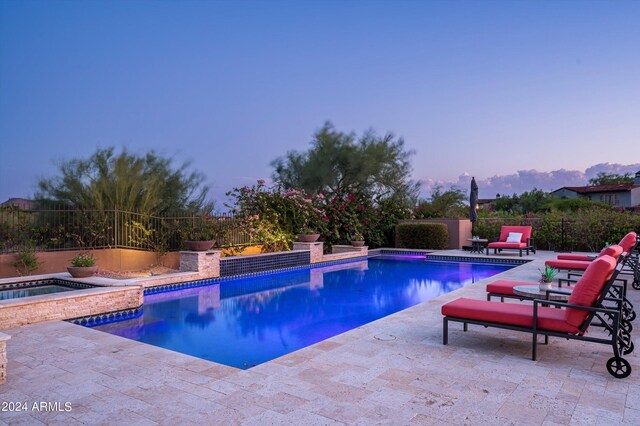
[{"x": 115, "y": 222}]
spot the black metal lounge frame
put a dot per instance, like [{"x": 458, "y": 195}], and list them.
[
  {"x": 530, "y": 246},
  {"x": 609, "y": 318}
]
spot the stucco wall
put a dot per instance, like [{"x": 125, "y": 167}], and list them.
[{"x": 109, "y": 259}]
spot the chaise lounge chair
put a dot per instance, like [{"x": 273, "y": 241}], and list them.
[
  {"x": 588, "y": 302},
  {"x": 504, "y": 288},
  {"x": 628, "y": 243},
  {"x": 581, "y": 265},
  {"x": 513, "y": 238}
]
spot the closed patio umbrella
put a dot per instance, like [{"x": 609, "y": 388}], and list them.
[{"x": 473, "y": 200}]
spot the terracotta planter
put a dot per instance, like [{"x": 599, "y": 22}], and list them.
[
  {"x": 82, "y": 271},
  {"x": 357, "y": 243},
  {"x": 308, "y": 238},
  {"x": 199, "y": 245}
]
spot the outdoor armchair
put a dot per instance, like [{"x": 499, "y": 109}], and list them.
[{"x": 513, "y": 238}]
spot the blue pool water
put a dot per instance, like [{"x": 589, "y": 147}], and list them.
[{"x": 248, "y": 321}]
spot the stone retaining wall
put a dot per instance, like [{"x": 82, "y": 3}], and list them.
[{"x": 68, "y": 305}]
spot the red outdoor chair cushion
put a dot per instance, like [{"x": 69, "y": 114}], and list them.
[
  {"x": 580, "y": 265},
  {"x": 508, "y": 313},
  {"x": 588, "y": 288},
  {"x": 578, "y": 257},
  {"x": 613, "y": 250},
  {"x": 505, "y": 286},
  {"x": 524, "y": 230},
  {"x": 506, "y": 245},
  {"x": 628, "y": 242},
  {"x": 577, "y": 265}
]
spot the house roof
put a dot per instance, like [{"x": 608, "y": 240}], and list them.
[{"x": 620, "y": 187}]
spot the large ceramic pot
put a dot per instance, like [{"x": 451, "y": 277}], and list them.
[
  {"x": 308, "y": 238},
  {"x": 82, "y": 271},
  {"x": 357, "y": 243},
  {"x": 199, "y": 245}
]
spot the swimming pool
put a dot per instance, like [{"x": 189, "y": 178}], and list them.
[
  {"x": 247, "y": 321},
  {"x": 36, "y": 288}
]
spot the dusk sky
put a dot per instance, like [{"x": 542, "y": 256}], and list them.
[{"x": 521, "y": 93}]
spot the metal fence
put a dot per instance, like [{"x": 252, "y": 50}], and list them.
[
  {"x": 576, "y": 233},
  {"x": 64, "y": 228}
]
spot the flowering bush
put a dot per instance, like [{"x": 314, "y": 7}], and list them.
[
  {"x": 83, "y": 260},
  {"x": 273, "y": 217}
]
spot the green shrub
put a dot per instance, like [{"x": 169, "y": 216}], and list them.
[
  {"x": 422, "y": 236},
  {"x": 581, "y": 230},
  {"x": 26, "y": 261}
]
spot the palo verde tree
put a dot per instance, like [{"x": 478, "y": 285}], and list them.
[
  {"x": 341, "y": 163},
  {"x": 603, "y": 178},
  {"x": 147, "y": 183},
  {"x": 448, "y": 204}
]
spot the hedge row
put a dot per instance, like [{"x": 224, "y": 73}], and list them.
[
  {"x": 586, "y": 230},
  {"x": 422, "y": 236}
]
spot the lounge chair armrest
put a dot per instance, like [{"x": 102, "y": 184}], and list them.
[
  {"x": 564, "y": 292},
  {"x": 537, "y": 302},
  {"x": 530, "y": 241},
  {"x": 623, "y": 280},
  {"x": 569, "y": 281}
]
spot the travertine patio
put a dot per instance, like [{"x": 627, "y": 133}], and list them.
[{"x": 392, "y": 371}]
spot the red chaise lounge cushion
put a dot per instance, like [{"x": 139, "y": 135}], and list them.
[
  {"x": 508, "y": 313},
  {"x": 588, "y": 288},
  {"x": 505, "y": 286},
  {"x": 614, "y": 251},
  {"x": 504, "y": 233},
  {"x": 628, "y": 242}
]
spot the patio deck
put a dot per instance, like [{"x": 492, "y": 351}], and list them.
[{"x": 392, "y": 371}]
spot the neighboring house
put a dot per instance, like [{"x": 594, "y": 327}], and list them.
[
  {"x": 620, "y": 195},
  {"x": 21, "y": 203},
  {"x": 486, "y": 203}
]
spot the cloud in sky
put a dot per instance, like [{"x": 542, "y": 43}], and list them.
[{"x": 526, "y": 180}]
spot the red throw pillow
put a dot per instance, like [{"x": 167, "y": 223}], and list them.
[{"x": 588, "y": 288}]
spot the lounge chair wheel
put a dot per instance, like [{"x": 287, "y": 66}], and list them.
[
  {"x": 627, "y": 326},
  {"x": 629, "y": 349},
  {"x": 618, "y": 367},
  {"x": 631, "y": 316},
  {"x": 636, "y": 285}
]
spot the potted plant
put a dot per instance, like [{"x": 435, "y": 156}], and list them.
[
  {"x": 357, "y": 240},
  {"x": 201, "y": 237},
  {"x": 546, "y": 277},
  {"x": 82, "y": 266},
  {"x": 307, "y": 235}
]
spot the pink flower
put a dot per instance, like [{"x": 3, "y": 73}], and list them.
[{"x": 261, "y": 181}]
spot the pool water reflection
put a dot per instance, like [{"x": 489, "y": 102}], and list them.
[{"x": 245, "y": 322}]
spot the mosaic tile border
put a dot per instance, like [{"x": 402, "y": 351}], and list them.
[
  {"x": 250, "y": 264},
  {"x": 449, "y": 258},
  {"x": 48, "y": 281},
  {"x": 405, "y": 252},
  {"x": 106, "y": 318}
]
